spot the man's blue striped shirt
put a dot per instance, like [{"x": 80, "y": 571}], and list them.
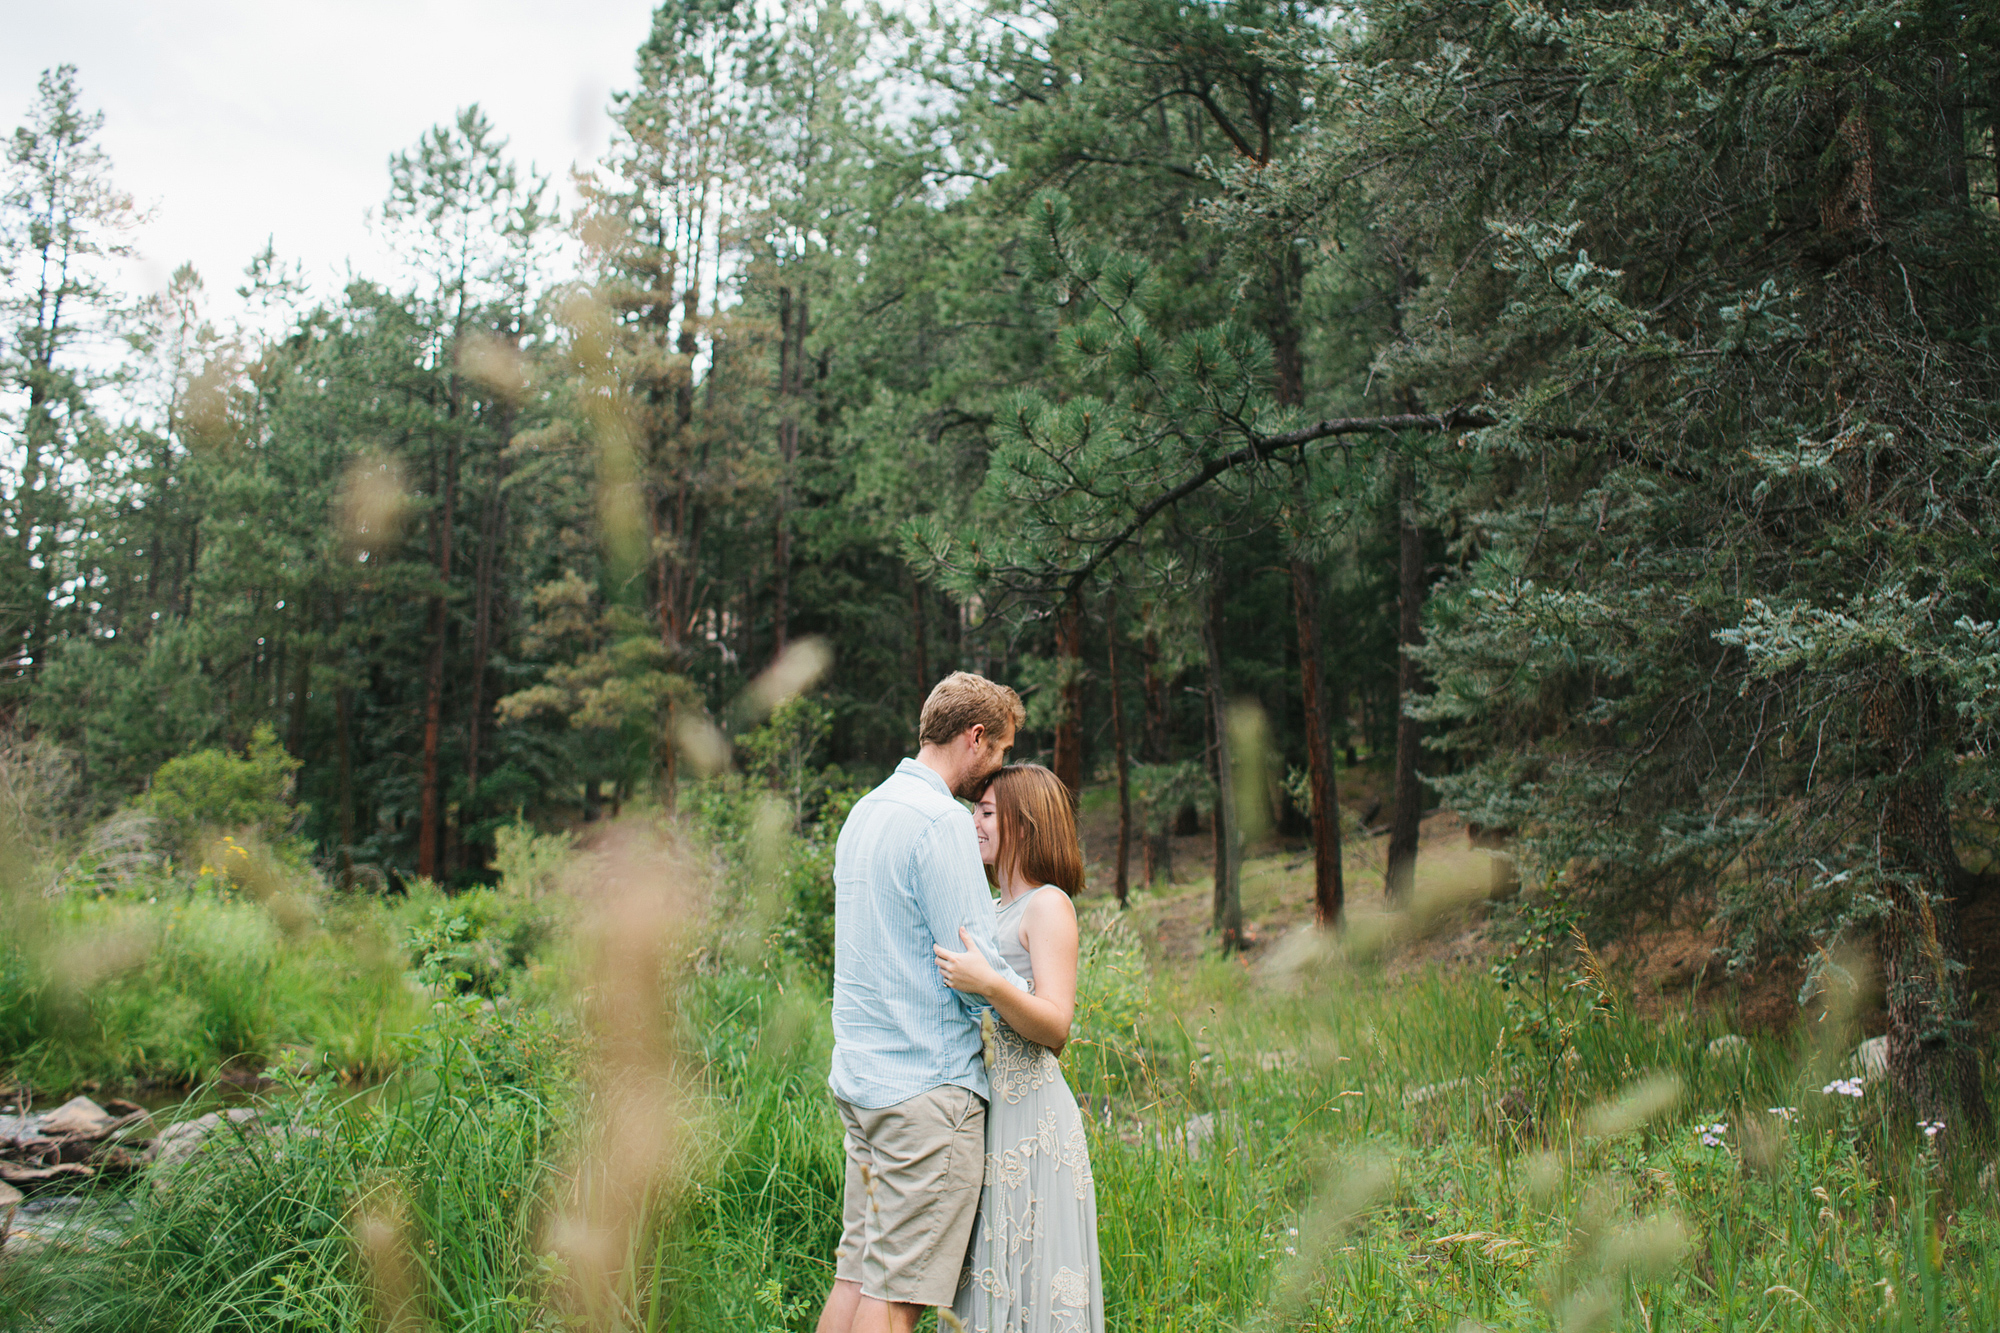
[{"x": 906, "y": 875}]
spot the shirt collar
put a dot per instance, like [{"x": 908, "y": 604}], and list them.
[{"x": 926, "y": 772}]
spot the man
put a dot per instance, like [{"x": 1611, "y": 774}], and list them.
[{"x": 908, "y": 1072}]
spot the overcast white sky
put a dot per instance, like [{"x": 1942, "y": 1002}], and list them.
[{"x": 237, "y": 120}]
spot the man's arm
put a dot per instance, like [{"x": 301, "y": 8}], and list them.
[{"x": 952, "y": 895}]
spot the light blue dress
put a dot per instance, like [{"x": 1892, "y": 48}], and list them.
[{"x": 1033, "y": 1264}]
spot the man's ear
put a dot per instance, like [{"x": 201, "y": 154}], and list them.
[{"x": 978, "y": 730}]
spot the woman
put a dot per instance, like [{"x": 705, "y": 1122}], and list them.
[{"x": 1033, "y": 1265}]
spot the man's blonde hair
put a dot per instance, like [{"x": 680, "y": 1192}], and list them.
[{"x": 963, "y": 700}]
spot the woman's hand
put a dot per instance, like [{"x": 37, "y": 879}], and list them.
[{"x": 968, "y": 971}]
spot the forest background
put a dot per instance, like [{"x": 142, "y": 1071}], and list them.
[{"x": 1585, "y": 417}]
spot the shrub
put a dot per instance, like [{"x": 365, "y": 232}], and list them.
[
  {"x": 530, "y": 863},
  {"x": 214, "y": 788}
]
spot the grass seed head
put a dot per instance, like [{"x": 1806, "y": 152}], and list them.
[{"x": 1640, "y": 1102}]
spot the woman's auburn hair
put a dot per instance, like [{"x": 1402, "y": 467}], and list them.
[{"x": 1037, "y": 827}]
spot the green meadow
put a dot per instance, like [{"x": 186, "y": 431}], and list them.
[{"x": 499, "y": 1112}]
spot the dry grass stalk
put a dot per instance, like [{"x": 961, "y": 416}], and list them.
[{"x": 640, "y": 906}]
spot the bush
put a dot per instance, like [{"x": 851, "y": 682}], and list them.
[
  {"x": 124, "y": 991},
  {"x": 217, "y": 789},
  {"x": 530, "y": 863}
]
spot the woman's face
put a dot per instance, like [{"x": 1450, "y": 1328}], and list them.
[{"x": 986, "y": 822}]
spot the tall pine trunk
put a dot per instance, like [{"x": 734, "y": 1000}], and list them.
[
  {"x": 300, "y": 685},
  {"x": 1228, "y": 904},
  {"x": 1407, "y": 793},
  {"x": 492, "y": 537},
  {"x": 1122, "y": 885},
  {"x": 1157, "y": 838},
  {"x": 343, "y": 737},
  {"x": 792, "y": 325},
  {"x": 1934, "y": 1065},
  {"x": 920, "y": 639},
  {"x": 430, "y": 863},
  {"x": 1068, "y": 760},
  {"x": 1329, "y": 892}
]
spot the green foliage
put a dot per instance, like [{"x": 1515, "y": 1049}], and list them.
[
  {"x": 784, "y": 753},
  {"x": 218, "y": 789},
  {"x": 125, "y": 990},
  {"x": 774, "y": 879},
  {"x": 1161, "y": 791},
  {"x": 261, "y": 1233},
  {"x": 484, "y": 942},
  {"x": 530, "y": 864}
]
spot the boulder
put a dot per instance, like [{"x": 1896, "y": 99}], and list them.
[
  {"x": 78, "y": 1117},
  {"x": 15, "y": 1173},
  {"x": 1729, "y": 1046},
  {"x": 177, "y": 1143}
]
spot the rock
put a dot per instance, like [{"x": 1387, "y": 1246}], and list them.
[
  {"x": 10, "y": 1199},
  {"x": 1198, "y": 1130},
  {"x": 1432, "y": 1091},
  {"x": 78, "y": 1117},
  {"x": 18, "y": 1136},
  {"x": 1728, "y": 1046},
  {"x": 69, "y": 1222},
  {"x": 179, "y": 1142},
  {"x": 1871, "y": 1057},
  {"x": 14, "y": 1173}
]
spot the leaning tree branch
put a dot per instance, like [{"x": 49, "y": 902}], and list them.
[{"x": 1262, "y": 447}]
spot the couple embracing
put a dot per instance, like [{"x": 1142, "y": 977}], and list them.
[{"x": 968, "y": 1181}]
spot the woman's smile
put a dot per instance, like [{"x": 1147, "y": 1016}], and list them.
[{"x": 986, "y": 823}]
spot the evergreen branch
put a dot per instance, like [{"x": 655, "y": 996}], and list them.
[{"x": 1261, "y": 448}]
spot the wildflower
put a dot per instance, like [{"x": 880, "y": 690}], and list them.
[
  {"x": 1931, "y": 1128},
  {"x": 1844, "y": 1087},
  {"x": 1784, "y": 1113},
  {"x": 1711, "y": 1135}
]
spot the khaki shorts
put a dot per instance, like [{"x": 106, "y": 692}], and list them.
[{"x": 913, "y": 1176}]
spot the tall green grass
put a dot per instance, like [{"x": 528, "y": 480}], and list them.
[
  {"x": 172, "y": 982},
  {"x": 1329, "y": 1148},
  {"x": 258, "y": 1231}
]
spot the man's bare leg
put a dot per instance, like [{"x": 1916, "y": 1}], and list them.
[
  {"x": 873, "y": 1316},
  {"x": 848, "y": 1311},
  {"x": 837, "y": 1315}
]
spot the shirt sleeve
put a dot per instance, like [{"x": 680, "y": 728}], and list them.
[{"x": 951, "y": 892}]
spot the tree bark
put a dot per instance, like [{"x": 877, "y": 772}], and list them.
[
  {"x": 1328, "y": 890},
  {"x": 791, "y": 387},
  {"x": 429, "y": 841},
  {"x": 1934, "y": 1066},
  {"x": 492, "y": 538},
  {"x": 1122, "y": 884},
  {"x": 301, "y": 684},
  {"x": 920, "y": 635},
  {"x": 342, "y": 710},
  {"x": 1407, "y": 816},
  {"x": 1158, "y": 849},
  {"x": 1068, "y": 759},
  {"x": 1228, "y": 905}
]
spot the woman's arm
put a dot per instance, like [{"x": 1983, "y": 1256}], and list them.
[{"x": 1044, "y": 1016}]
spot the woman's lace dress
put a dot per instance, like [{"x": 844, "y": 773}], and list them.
[{"x": 1033, "y": 1264}]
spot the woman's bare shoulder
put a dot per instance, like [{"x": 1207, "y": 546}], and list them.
[{"x": 1050, "y": 906}]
